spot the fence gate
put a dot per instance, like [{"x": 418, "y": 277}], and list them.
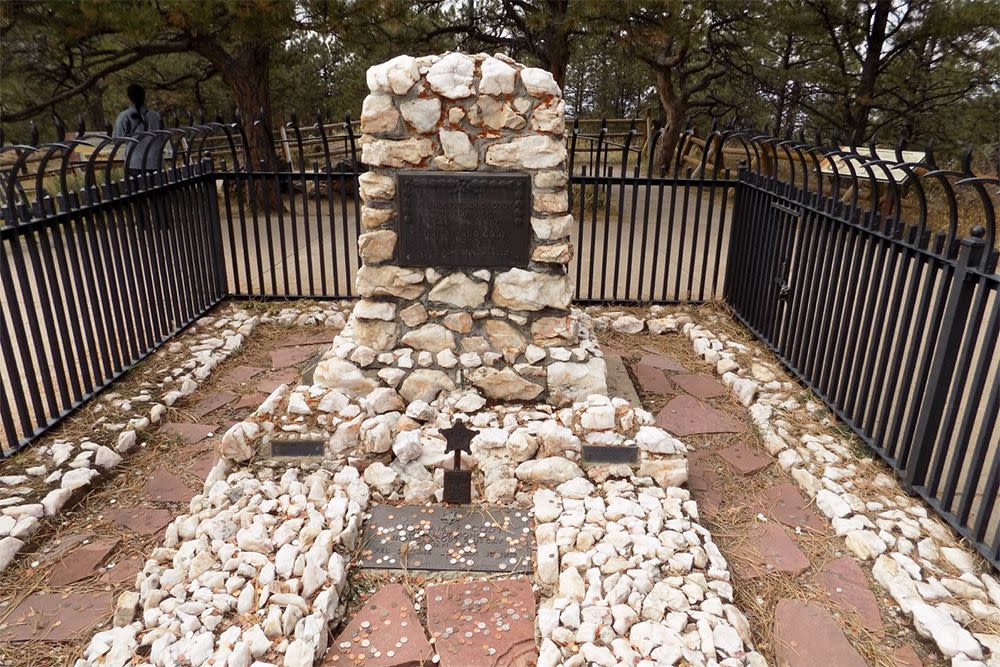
[
  {"x": 893, "y": 327},
  {"x": 765, "y": 231}
]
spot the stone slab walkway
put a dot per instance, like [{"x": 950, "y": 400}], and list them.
[
  {"x": 474, "y": 623},
  {"x": 68, "y": 577},
  {"x": 765, "y": 527},
  {"x": 384, "y": 632}
]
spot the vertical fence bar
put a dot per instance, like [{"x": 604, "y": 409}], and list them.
[{"x": 946, "y": 350}]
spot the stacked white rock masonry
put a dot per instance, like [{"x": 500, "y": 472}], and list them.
[{"x": 508, "y": 331}]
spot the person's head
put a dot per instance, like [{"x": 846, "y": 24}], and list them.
[{"x": 136, "y": 94}]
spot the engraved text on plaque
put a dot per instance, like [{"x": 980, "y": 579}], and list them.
[{"x": 464, "y": 218}]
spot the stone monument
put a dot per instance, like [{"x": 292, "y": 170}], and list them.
[{"x": 467, "y": 239}]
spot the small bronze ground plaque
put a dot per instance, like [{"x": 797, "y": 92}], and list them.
[
  {"x": 609, "y": 454},
  {"x": 464, "y": 218},
  {"x": 462, "y": 539},
  {"x": 297, "y": 448}
]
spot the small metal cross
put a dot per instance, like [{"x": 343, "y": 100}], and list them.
[{"x": 458, "y": 482}]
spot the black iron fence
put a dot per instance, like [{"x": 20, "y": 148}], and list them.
[
  {"x": 852, "y": 265},
  {"x": 94, "y": 279},
  {"x": 894, "y": 325}
]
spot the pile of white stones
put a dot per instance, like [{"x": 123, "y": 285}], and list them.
[
  {"x": 497, "y": 358},
  {"x": 949, "y": 593},
  {"x": 51, "y": 474},
  {"x": 399, "y": 445},
  {"x": 41, "y": 480},
  {"x": 253, "y": 573},
  {"x": 633, "y": 579}
]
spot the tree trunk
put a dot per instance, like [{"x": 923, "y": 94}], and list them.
[
  {"x": 248, "y": 78},
  {"x": 780, "y": 107},
  {"x": 94, "y": 105},
  {"x": 554, "y": 49},
  {"x": 247, "y": 73},
  {"x": 860, "y": 107},
  {"x": 675, "y": 110}
]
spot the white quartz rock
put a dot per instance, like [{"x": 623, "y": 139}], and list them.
[
  {"x": 539, "y": 82},
  {"x": 9, "y": 546},
  {"x": 383, "y": 478},
  {"x": 952, "y": 639},
  {"x": 550, "y": 470},
  {"x": 343, "y": 376},
  {"x": 422, "y": 113},
  {"x": 657, "y": 441},
  {"x": 548, "y": 564},
  {"x": 531, "y": 152},
  {"x": 397, "y": 75},
  {"x": 238, "y": 442},
  {"x": 55, "y": 499},
  {"x": 452, "y": 76},
  {"x": 497, "y": 77},
  {"x": 628, "y": 324},
  {"x": 570, "y": 381},
  {"x": 897, "y": 582},
  {"x": 106, "y": 458},
  {"x": 571, "y": 585},
  {"x": 831, "y": 504},
  {"x": 80, "y": 477},
  {"x": 297, "y": 404},
  {"x": 576, "y": 488},
  {"x": 406, "y": 446}
]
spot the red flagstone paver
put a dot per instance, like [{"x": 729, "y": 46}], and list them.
[
  {"x": 190, "y": 434},
  {"x": 700, "y": 386},
  {"x": 56, "y": 617},
  {"x": 744, "y": 460},
  {"x": 384, "y": 632},
  {"x": 663, "y": 363},
  {"x": 905, "y": 656},
  {"x": 81, "y": 562},
  {"x": 124, "y": 570},
  {"x": 848, "y": 588},
  {"x": 704, "y": 481},
  {"x": 284, "y": 357},
  {"x": 785, "y": 503},
  {"x": 768, "y": 548},
  {"x": 274, "y": 380},
  {"x": 686, "y": 415},
  {"x": 213, "y": 402},
  {"x": 141, "y": 520},
  {"x": 251, "y": 401},
  {"x": 653, "y": 380},
  {"x": 242, "y": 374},
  {"x": 64, "y": 544},
  {"x": 201, "y": 466},
  {"x": 612, "y": 351},
  {"x": 483, "y": 623},
  {"x": 806, "y": 635},
  {"x": 166, "y": 487},
  {"x": 318, "y": 338}
]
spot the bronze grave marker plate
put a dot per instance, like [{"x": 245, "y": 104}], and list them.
[
  {"x": 439, "y": 538},
  {"x": 472, "y": 219},
  {"x": 610, "y": 454},
  {"x": 297, "y": 448}
]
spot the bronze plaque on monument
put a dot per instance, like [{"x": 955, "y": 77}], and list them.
[{"x": 474, "y": 219}]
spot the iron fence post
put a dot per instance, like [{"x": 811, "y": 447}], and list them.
[
  {"x": 218, "y": 251},
  {"x": 949, "y": 341}
]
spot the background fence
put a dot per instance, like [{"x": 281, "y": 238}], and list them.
[{"x": 870, "y": 273}]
